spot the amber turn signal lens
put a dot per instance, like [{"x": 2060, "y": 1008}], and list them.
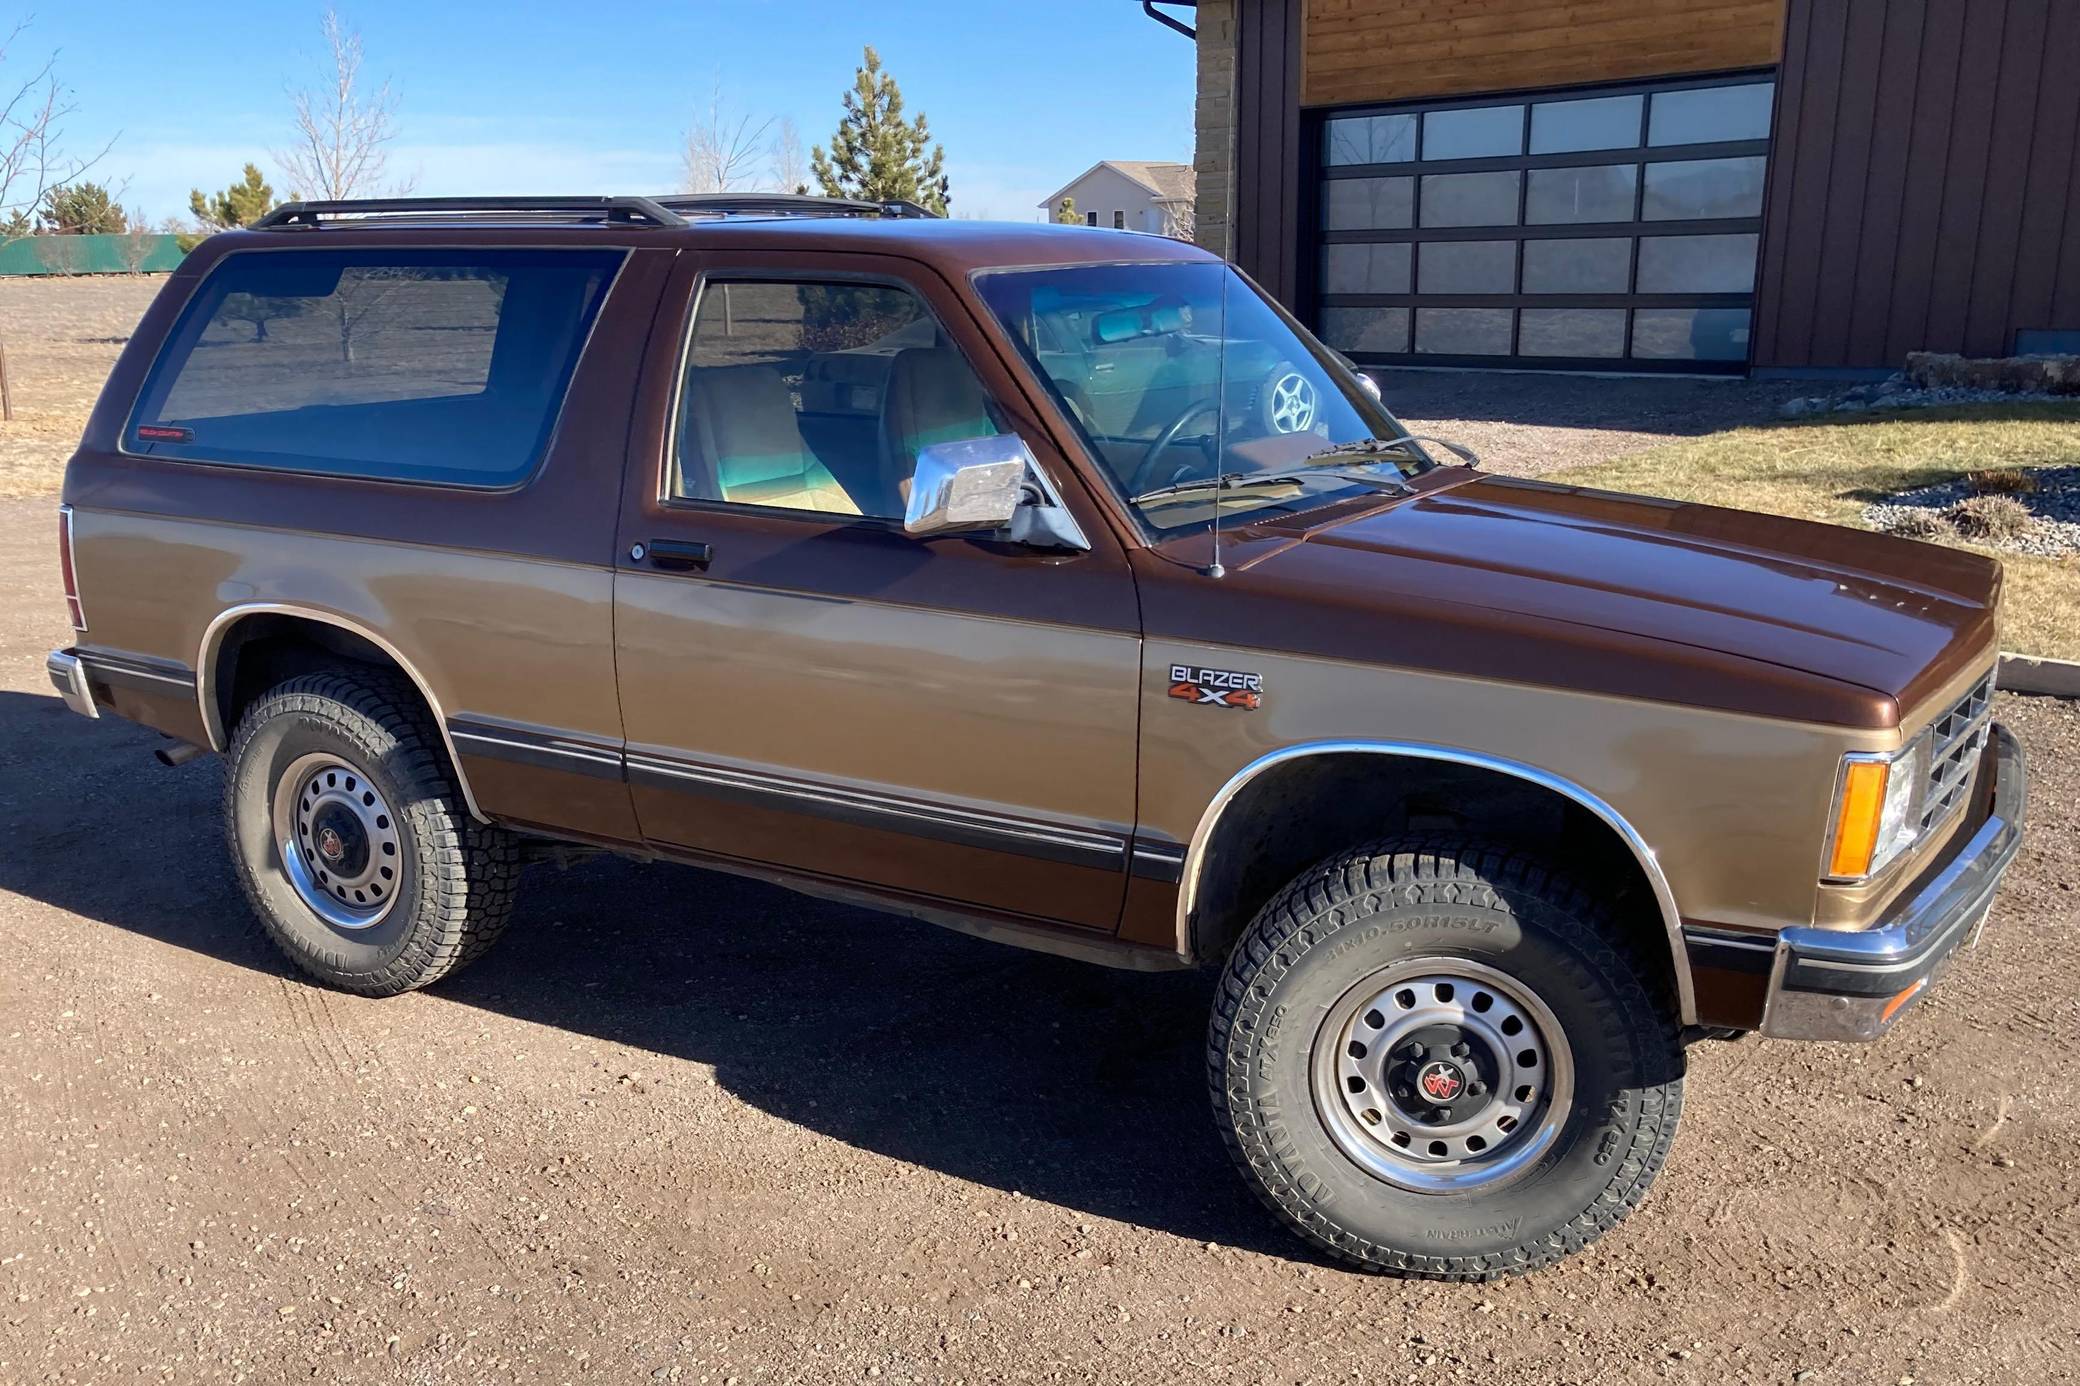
[{"x": 1856, "y": 827}]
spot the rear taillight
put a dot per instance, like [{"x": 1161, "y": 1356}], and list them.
[{"x": 79, "y": 615}]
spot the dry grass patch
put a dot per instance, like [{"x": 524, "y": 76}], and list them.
[{"x": 1830, "y": 471}]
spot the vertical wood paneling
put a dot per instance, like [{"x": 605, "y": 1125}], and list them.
[
  {"x": 1988, "y": 311},
  {"x": 1964, "y": 192},
  {"x": 2051, "y": 192},
  {"x": 1906, "y": 298},
  {"x": 1924, "y": 191},
  {"x": 1841, "y": 238},
  {"x": 1785, "y": 174},
  {"x": 1267, "y": 140},
  {"x": 1885, "y": 192}
]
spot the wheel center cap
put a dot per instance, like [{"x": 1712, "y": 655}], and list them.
[
  {"x": 1440, "y": 1082},
  {"x": 330, "y": 845}
]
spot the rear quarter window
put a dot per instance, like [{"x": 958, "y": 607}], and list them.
[{"x": 442, "y": 366}]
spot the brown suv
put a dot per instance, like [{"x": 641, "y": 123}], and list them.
[{"x": 1054, "y": 585}]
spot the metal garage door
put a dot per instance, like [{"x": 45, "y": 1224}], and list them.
[{"x": 1608, "y": 229}]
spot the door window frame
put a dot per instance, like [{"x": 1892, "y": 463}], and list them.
[{"x": 649, "y": 486}]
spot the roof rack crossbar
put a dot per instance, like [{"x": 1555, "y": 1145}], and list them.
[{"x": 621, "y": 210}]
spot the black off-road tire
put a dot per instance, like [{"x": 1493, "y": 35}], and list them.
[
  {"x": 456, "y": 877},
  {"x": 1364, "y": 911}
]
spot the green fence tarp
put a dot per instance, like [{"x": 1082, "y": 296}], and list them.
[{"x": 87, "y": 255}]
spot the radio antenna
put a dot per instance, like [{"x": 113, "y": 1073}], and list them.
[{"x": 1220, "y": 418}]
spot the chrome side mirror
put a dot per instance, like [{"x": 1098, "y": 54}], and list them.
[{"x": 973, "y": 486}]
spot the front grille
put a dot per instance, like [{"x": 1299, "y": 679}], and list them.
[{"x": 1954, "y": 743}]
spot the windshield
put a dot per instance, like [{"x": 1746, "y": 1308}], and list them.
[{"x": 1169, "y": 398}]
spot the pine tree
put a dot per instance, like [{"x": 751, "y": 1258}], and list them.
[
  {"x": 1066, "y": 214},
  {"x": 878, "y": 156},
  {"x": 241, "y": 204},
  {"x": 81, "y": 209}
]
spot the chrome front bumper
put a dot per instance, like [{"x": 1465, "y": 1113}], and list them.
[
  {"x": 1839, "y": 985},
  {"x": 69, "y": 677}
]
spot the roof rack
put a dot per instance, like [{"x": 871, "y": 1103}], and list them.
[
  {"x": 789, "y": 205},
  {"x": 628, "y": 211}
]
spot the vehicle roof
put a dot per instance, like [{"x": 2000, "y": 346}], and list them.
[{"x": 957, "y": 247}]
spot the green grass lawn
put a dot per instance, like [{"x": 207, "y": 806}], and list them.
[{"x": 1828, "y": 470}]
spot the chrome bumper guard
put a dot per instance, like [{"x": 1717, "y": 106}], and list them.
[
  {"x": 1839, "y": 985},
  {"x": 69, "y": 677}
]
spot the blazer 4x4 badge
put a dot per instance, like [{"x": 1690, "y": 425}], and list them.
[{"x": 1217, "y": 687}]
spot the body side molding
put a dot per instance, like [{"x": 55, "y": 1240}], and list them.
[
  {"x": 213, "y": 639},
  {"x": 1664, "y": 897}
]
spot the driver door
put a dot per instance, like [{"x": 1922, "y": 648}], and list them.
[{"x": 803, "y": 684}]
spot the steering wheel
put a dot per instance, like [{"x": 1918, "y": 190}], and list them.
[{"x": 1137, "y": 483}]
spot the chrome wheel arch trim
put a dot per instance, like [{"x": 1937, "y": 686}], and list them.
[
  {"x": 212, "y": 643},
  {"x": 1664, "y": 897}
]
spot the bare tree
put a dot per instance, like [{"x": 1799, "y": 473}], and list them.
[
  {"x": 32, "y": 158},
  {"x": 724, "y": 147},
  {"x": 61, "y": 252},
  {"x": 790, "y": 169},
  {"x": 138, "y": 241},
  {"x": 343, "y": 127}
]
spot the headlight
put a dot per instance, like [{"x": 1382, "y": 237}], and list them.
[{"x": 1874, "y": 811}]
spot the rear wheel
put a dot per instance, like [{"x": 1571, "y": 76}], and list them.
[
  {"x": 1439, "y": 1059},
  {"x": 352, "y": 840}
]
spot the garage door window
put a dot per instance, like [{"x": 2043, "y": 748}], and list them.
[{"x": 1585, "y": 228}]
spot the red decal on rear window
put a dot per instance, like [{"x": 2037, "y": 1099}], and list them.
[{"x": 163, "y": 433}]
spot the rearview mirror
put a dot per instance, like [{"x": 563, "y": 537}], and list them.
[{"x": 972, "y": 486}]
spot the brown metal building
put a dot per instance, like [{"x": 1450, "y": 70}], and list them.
[{"x": 1795, "y": 186}]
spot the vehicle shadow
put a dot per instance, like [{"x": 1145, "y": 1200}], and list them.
[{"x": 1067, "y": 1082}]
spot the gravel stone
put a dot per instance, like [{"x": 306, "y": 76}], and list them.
[{"x": 2054, "y": 506}]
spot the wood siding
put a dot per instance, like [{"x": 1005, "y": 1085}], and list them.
[
  {"x": 1924, "y": 194},
  {"x": 1395, "y": 50},
  {"x": 1269, "y": 227}
]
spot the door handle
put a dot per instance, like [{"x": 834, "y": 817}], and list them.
[{"x": 681, "y": 555}]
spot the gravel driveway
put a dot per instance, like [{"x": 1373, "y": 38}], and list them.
[
  {"x": 680, "y": 1127},
  {"x": 1528, "y": 422}
]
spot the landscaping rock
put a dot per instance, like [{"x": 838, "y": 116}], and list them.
[
  {"x": 2028, "y": 375},
  {"x": 2044, "y": 521}
]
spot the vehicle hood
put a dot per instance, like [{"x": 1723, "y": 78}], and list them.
[{"x": 1720, "y": 594}]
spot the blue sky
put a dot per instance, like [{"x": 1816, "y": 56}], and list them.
[{"x": 532, "y": 96}]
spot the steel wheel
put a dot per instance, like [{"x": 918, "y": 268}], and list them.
[
  {"x": 1442, "y": 1075},
  {"x": 338, "y": 841}
]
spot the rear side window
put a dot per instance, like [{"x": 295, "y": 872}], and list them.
[{"x": 444, "y": 366}]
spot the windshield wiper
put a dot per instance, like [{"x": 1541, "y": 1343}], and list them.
[
  {"x": 1356, "y": 473},
  {"x": 1406, "y": 443}
]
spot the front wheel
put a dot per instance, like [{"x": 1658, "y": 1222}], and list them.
[
  {"x": 352, "y": 840},
  {"x": 1439, "y": 1059}
]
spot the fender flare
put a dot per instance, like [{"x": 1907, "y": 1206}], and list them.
[
  {"x": 212, "y": 644},
  {"x": 1650, "y": 866}
]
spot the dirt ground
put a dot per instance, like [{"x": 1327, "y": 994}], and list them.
[
  {"x": 682, "y": 1127},
  {"x": 62, "y": 336},
  {"x": 1525, "y": 422}
]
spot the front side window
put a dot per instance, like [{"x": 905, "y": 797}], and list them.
[
  {"x": 445, "y": 366},
  {"x": 1181, "y": 373},
  {"x": 817, "y": 396}
]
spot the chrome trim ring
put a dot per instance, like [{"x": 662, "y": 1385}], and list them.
[
  {"x": 1506, "y": 1094},
  {"x": 338, "y": 841}
]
